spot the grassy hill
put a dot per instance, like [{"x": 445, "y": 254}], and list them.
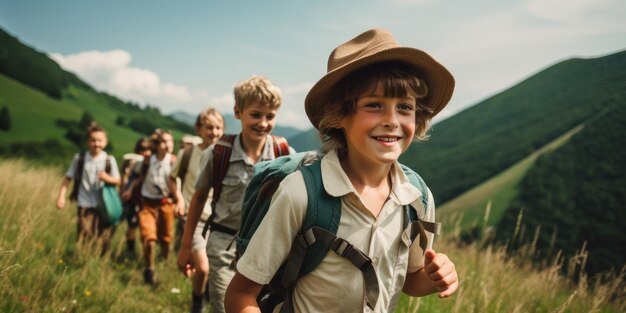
[
  {"x": 41, "y": 97},
  {"x": 574, "y": 196},
  {"x": 42, "y": 270},
  {"x": 497, "y": 192}
]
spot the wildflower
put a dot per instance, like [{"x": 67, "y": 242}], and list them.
[
  {"x": 175, "y": 290},
  {"x": 87, "y": 293},
  {"x": 24, "y": 298},
  {"x": 60, "y": 261},
  {"x": 74, "y": 301}
]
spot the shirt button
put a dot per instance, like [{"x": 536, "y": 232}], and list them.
[{"x": 375, "y": 260}]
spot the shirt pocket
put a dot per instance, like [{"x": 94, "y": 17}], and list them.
[{"x": 233, "y": 188}]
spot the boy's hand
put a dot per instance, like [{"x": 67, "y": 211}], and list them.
[
  {"x": 442, "y": 272},
  {"x": 184, "y": 262},
  {"x": 103, "y": 176},
  {"x": 60, "y": 203},
  {"x": 180, "y": 208},
  {"x": 126, "y": 195}
]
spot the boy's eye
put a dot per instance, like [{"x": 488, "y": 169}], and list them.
[
  {"x": 405, "y": 107},
  {"x": 270, "y": 117},
  {"x": 373, "y": 105}
]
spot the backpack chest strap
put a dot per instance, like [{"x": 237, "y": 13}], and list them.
[{"x": 340, "y": 246}]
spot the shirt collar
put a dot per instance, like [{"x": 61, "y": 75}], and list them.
[
  {"x": 337, "y": 184},
  {"x": 239, "y": 154}
]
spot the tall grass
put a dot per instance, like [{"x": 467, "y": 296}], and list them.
[
  {"x": 43, "y": 270},
  {"x": 494, "y": 278}
]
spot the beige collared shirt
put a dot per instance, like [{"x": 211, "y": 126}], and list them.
[
  {"x": 336, "y": 285},
  {"x": 188, "y": 186},
  {"x": 228, "y": 208}
]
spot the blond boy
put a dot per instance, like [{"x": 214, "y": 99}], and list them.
[
  {"x": 209, "y": 127},
  {"x": 257, "y": 101}
]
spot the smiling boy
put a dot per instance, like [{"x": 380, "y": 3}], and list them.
[{"x": 257, "y": 101}]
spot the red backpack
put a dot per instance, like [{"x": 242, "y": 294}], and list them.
[{"x": 221, "y": 160}]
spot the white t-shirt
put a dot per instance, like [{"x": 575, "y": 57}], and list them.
[
  {"x": 89, "y": 195},
  {"x": 155, "y": 184}
]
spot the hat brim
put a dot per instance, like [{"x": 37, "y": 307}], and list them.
[{"x": 439, "y": 81}]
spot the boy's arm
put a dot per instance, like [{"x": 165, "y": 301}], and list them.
[
  {"x": 63, "y": 192},
  {"x": 437, "y": 275},
  {"x": 109, "y": 179},
  {"x": 241, "y": 295},
  {"x": 114, "y": 177},
  {"x": 178, "y": 196},
  {"x": 196, "y": 206}
]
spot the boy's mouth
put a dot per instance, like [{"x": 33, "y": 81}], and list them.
[{"x": 387, "y": 138}]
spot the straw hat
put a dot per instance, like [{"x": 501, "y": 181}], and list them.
[{"x": 374, "y": 46}]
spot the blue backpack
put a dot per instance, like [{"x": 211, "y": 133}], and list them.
[{"x": 318, "y": 233}]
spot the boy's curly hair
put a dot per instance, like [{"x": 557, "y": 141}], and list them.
[
  {"x": 257, "y": 89},
  {"x": 397, "y": 79}
]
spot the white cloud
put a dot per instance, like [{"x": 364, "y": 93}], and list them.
[{"x": 111, "y": 71}]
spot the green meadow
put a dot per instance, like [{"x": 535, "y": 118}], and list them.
[{"x": 42, "y": 269}]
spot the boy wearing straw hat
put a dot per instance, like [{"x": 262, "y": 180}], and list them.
[{"x": 376, "y": 98}]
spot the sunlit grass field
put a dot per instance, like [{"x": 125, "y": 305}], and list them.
[{"x": 42, "y": 270}]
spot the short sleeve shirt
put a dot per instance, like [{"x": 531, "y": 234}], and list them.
[
  {"x": 336, "y": 285},
  {"x": 188, "y": 186},
  {"x": 89, "y": 195},
  {"x": 227, "y": 211},
  {"x": 155, "y": 184}
]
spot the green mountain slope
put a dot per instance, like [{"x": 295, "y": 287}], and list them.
[
  {"x": 487, "y": 138},
  {"x": 498, "y": 192},
  {"x": 576, "y": 194}
]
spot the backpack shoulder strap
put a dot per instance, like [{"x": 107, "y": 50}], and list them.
[
  {"x": 107, "y": 165},
  {"x": 280, "y": 145},
  {"x": 184, "y": 163},
  {"x": 78, "y": 176},
  {"x": 413, "y": 218},
  {"x": 318, "y": 236},
  {"x": 221, "y": 160},
  {"x": 323, "y": 211}
]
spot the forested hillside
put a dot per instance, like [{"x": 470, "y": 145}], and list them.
[
  {"x": 485, "y": 139},
  {"x": 576, "y": 194},
  {"x": 47, "y": 108}
]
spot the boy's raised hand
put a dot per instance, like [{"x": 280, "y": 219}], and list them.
[{"x": 442, "y": 272}]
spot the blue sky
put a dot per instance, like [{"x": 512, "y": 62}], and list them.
[{"x": 186, "y": 55}]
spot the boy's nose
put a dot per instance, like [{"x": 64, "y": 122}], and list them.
[{"x": 390, "y": 119}]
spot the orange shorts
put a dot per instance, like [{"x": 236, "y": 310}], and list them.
[{"x": 156, "y": 221}]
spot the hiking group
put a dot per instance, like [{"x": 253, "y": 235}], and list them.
[{"x": 345, "y": 230}]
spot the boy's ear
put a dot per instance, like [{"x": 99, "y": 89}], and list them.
[{"x": 236, "y": 109}]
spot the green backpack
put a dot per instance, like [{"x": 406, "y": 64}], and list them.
[{"x": 319, "y": 228}]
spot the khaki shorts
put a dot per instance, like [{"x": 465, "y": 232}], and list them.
[{"x": 156, "y": 221}]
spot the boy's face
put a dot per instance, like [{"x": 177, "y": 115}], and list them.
[
  {"x": 210, "y": 130},
  {"x": 96, "y": 142},
  {"x": 257, "y": 121},
  {"x": 380, "y": 129},
  {"x": 167, "y": 145}
]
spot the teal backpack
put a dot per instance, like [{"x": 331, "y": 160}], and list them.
[{"x": 318, "y": 233}]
